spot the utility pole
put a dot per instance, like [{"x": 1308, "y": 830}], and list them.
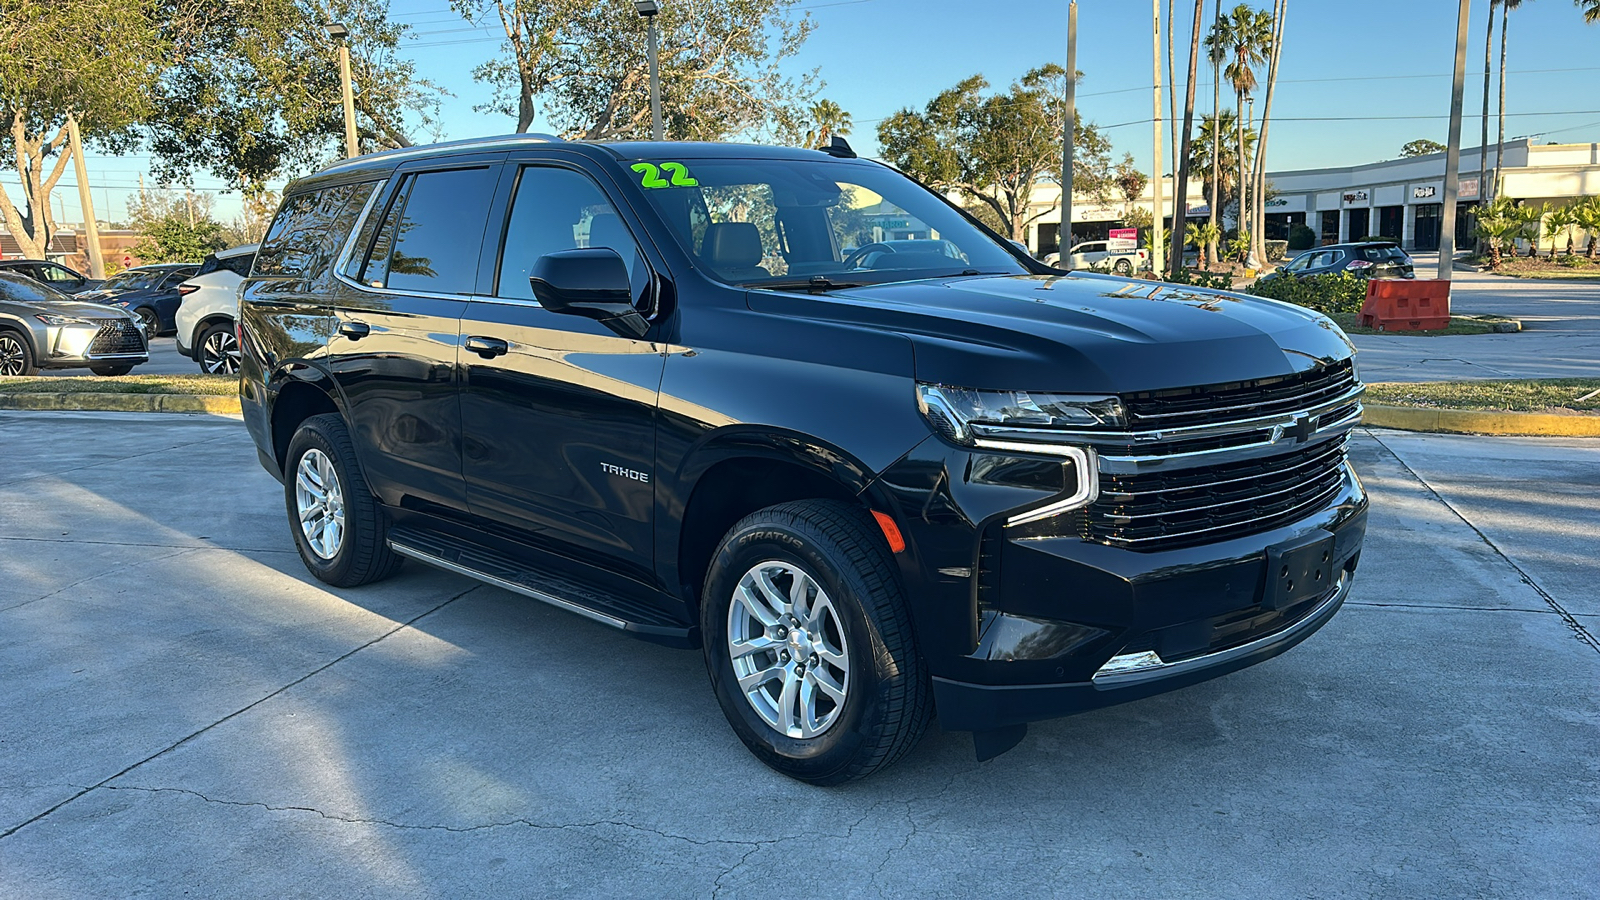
[
  {"x": 1452, "y": 155},
  {"x": 91, "y": 228},
  {"x": 341, "y": 35},
  {"x": 1180, "y": 198},
  {"x": 1157, "y": 217},
  {"x": 1069, "y": 127}
]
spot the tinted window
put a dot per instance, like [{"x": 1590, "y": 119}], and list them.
[
  {"x": 431, "y": 238},
  {"x": 59, "y": 274},
  {"x": 209, "y": 264},
  {"x": 308, "y": 231},
  {"x": 25, "y": 290},
  {"x": 1382, "y": 252},
  {"x": 554, "y": 210},
  {"x": 240, "y": 265},
  {"x": 133, "y": 280}
]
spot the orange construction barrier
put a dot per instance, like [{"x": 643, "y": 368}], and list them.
[{"x": 1395, "y": 304}]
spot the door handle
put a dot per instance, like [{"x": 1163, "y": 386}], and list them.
[
  {"x": 487, "y": 347},
  {"x": 355, "y": 331}
]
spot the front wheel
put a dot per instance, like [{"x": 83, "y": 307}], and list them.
[
  {"x": 339, "y": 527},
  {"x": 809, "y": 643},
  {"x": 152, "y": 322},
  {"x": 15, "y": 356}
]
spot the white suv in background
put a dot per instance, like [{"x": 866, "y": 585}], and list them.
[{"x": 209, "y": 308}]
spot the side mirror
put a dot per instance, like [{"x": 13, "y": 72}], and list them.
[{"x": 591, "y": 282}]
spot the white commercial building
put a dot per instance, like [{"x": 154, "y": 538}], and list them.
[{"x": 1402, "y": 199}]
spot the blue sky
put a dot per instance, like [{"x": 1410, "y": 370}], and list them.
[{"x": 1348, "y": 62}]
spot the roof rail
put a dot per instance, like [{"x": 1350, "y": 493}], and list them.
[{"x": 424, "y": 149}]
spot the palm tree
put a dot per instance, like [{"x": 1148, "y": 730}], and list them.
[
  {"x": 1506, "y": 6},
  {"x": 1210, "y": 151},
  {"x": 1216, "y": 136},
  {"x": 1558, "y": 221},
  {"x": 1258, "y": 179},
  {"x": 1243, "y": 38},
  {"x": 1499, "y": 222},
  {"x": 1483, "y": 142},
  {"x": 827, "y": 119},
  {"x": 1181, "y": 161},
  {"x": 1591, "y": 10},
  {"x": 1203, "y": 235},
  {"x": 1587, "y": 212}
]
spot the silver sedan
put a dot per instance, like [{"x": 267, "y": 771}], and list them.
[{"x": 42, "y": 328}]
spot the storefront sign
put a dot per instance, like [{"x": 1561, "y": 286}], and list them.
[
  {"x": 1095, "y": 214},
  {"x": 1289, "y": 204},
  {"x": 1467, "y": 189},
  {"x": 1122, "y": 239},
  {"x": 1355, "y": 198},
  {"x": 1423, "y": 192}
]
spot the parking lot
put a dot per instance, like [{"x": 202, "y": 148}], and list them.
[{"x": 187, "y": 712}]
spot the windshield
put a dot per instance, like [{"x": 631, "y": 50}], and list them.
[
  {"x": 782, "y": 223},
  {"x": 133, "y": 281},
  {"x": 18, "y": 289}
]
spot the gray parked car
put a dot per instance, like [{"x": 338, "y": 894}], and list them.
[{"x": 42, "y": 328}]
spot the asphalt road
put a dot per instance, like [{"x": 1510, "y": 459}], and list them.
[{"x": 185, "y": 711}]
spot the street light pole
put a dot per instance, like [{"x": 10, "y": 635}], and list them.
[
  {"x": 1069, "y": 125},
  {"x": 1452, "y": 156},
  {"x": 649, "y": 9},
  {"x": 1158, "y": 215},
  {"x": 91, "y": 228},
  {"x": 341, "y": 34}
]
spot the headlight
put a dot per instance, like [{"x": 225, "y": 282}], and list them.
[
  {"x": 61, "y": 320},
  {"x": 121, "y": 303},
  {"x": 959, "y": 413}
]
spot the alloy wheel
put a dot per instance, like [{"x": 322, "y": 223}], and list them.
[
  {"x": 320, "y": 503},
  {"x": 152, "y": 324},
  {"x": 13, "y": 357},
  {"x": 219, "y": 353},
  {"x": 788, "y": 647}
]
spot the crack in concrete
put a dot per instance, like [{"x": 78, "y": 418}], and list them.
[
  {"x": 1513, "y": 609},
  {"x": 113, "y": 571},
  {"x": 1568, "y": 618},
  {"x": 240, "y": 711},
  {"x": 912, "y": 833}
]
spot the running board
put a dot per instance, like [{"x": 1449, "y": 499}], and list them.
[{"x": 491, "y": 567}]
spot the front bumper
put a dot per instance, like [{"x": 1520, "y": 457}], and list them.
[{"x": 79, "y": 345}]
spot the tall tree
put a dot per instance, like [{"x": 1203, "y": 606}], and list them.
[
  {"x": 1215, "y": 219},
  {"x": 92, "y": 60},
  {"x": 1591, "y": 10},
  {"x": 1421, "y": 147},
  {"x": 994, "y": 149},
  {"x": 1488, "y": 69},
  {"x": 1243, "y": 39},
  {"x": 1506, "y": 6},
  {"x": 586, "y": 64},
  {"x": 827, "y": 119},
  {"x": 1258, "y": 180},
  {"x": 1181, "y": 161},
  {"x": 1214, "y": 150}
]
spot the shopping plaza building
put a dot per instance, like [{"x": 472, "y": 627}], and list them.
[{"x": 1400, "y": 199}]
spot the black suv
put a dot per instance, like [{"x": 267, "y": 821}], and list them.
[
  {"x": 643, "y": 382},
  {"x": 1370, "y": 259}
]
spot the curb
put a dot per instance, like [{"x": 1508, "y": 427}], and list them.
[
  {"x": 1469, "y": 421},
  {"x": 165, "y": 403}
]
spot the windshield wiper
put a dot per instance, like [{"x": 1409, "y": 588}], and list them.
[{"x": 816, "y": 284}]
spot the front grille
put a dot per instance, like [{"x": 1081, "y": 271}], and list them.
[
  {"x": 117, "y": 336},
  {"x": 1214, "y": 403},
  {"x": 1182, "y": 507}
]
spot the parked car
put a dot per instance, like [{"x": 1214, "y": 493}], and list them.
[
  {"x": 209, "y": 309},
  {"x": 1368, "y": 260},
  {"x": 149, "y": 292},
  {"x": 868, "y": 490},
  {"x": 54, "y": 274},
  {"x": 42, "y": 328},
  {"x": 1099, "y": 255}
]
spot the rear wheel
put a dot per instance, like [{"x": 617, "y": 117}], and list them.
[
  {"x": 15, "y": 357},
  {"x": 218, "y": 350},
  {"x": 111, "y": 370},
  {"x": 809, "y": 643},
  {"x": 339, "y": 527},
  {"x": 152, "y": 322}
]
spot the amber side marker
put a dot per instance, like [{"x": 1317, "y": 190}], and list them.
[{"x": 891, "y": 531}]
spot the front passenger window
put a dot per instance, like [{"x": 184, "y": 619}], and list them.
[{"x": 559, "y": 209}]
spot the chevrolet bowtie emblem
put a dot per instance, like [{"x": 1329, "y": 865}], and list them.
[{"x": 1302, "y": 429}]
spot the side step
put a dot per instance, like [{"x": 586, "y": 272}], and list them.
[{"x": 639, "y": 618}]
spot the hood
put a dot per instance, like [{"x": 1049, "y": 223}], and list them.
[
  {"x": 1084, "y": 333},
  {"x": 81, "y": 310}
]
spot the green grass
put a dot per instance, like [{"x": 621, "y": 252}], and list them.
[
  {"x": 1544, "y": 267},
  {"x": 1545, "y": 395},
  {"x": 210, "y": 385},
  {"x": 1482, "y": 324}
]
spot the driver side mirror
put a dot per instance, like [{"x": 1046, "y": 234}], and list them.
[{"x": 591, "y": 282}]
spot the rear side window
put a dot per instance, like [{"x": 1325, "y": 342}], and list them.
[
  {"x": 308, "y": 231},
  {"x": 1382, "y": 253},
  {"x": 431, "y": 238},
  {"x": 240, "y": 265}
]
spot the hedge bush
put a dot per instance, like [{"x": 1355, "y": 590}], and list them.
[
  {"x": 1329, "y": 294},
  {"x": 1301, "y": 237}
]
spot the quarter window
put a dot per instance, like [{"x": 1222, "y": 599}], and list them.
[
  {"x": 431, "y": 239},
  {"x": 559, "y": 209},
  {"x": 305, "y": 234}
]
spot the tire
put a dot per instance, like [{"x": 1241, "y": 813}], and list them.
[
  {"x": 112, "y": 371},
  {"x": 355, "y": 550},
  {"x": 887, "y": 698},
  {"x": 217, "y": 350},
  {"x": 1123, "y": 267},
  {"x": 152, "y": 322},
  {"x": 16, "y": 357}
]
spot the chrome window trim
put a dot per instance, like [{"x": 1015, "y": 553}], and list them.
[
  {"x": 355, "y": 232},
  {"x": 1084, "y": 468}
]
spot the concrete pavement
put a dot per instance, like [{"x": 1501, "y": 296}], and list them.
[
  {"x": 187, "y": 711},
  {"x": 1561, "y": 340}
]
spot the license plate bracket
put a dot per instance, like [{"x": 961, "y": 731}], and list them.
[{"x": 1299, "y": 570}]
